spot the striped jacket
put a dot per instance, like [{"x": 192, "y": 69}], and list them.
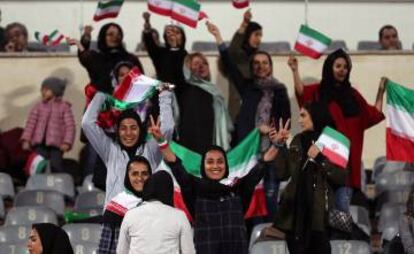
[{"x": 52, "y": 123}]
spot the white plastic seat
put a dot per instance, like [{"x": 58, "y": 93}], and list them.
[
  {"x": 90, "y": 199},
  {"x": 27, "y": 215},
  {"x": 60, "y": 182},
  {"x": 13, "y": 248},
  {"x": 14, "y": 234},
  {"x": 270, "y": 247},
  {"x": 354, "y": 247},
  {"x": 83, "y": 232},
  {"x": 51, "y": 199}
]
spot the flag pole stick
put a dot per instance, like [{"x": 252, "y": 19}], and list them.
[{"x": 306, "y": 11}]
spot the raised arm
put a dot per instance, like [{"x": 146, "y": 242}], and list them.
[
  {"x": 294, "y": 66},
  {"x": 96, "y": 136},
  {"x": 380, "y": 94},
  {"x": 152, "y": 48},
  {"x": 237, "y": 40}
]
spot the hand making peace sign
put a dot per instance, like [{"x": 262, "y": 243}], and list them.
[{"x": 281, "y": 135}]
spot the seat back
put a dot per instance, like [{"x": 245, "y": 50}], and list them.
[
  {"x": 14, "y": 234},
  {"x": 60, "y": 182},
  {"x": 337, "y": 44},
  {"x": 28, "y": 215},
  {"x": 396, "y": 180},
  {"x": 90, "y": 199},
  {"x": 6, "y": 186},
  {"x": 256, "y": 233},
  {"x": 360, "y": 216},
  {"x": 275, "y": 46},
  {"x": 85, "y": 248},
  {"x": 354, "y": 247},
  {"x": 87, "y": 184},
  {"x": 2, "y": 210},
  {"x": 204, "y": 46},
  {"x": 270, "y": 247},
  {"x": 51, "y": 199},
  {"x": 368, "y": 45},
  {"x": 13, "y": 248},
  {"x": 83, "y": 232},
  {"x": 390, "y": 214}
]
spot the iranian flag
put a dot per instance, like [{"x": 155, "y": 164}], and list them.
[
  {"x": 107, "y": 9},
  {"x": 162, "y": 7},
  {"x": 186, "y": 12},
  {"x": 55, "y": 37},
  {"x": 311, "y": 42},
  {"x": 400, "y": 123},
  {"x": 335, "y": 146},
  {"x": 240, "y": 4},
  {"x": 241, "y": 160},
  {"x": 35, "y": 164},
  {"x": 42, "y": 38}
]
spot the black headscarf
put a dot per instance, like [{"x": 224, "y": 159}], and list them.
[
  {"x": 129, "y": 113},
  {"x": 102, "y": 46},
  {"x": 54, "y": 239},
  {"x": 159, "y": 187},
  {"x": 333, "y": 90},
  {"x": 182, "y": 45},
  {"x": 214, "y": 148},
  {"x": 251, "y": 28}
]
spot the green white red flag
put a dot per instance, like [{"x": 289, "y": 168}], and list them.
[
  {"x": 311, "y": 42},
  {"x": 107, "y": 9},
  {"x": 400, "y": 123},
  {"x": 186, "y": 12},
  {"x": 241, "y": 160},
  {"x": 240, "y": 4},
  {"x": 35, "y": 164},
  {"x": 161, "y": 7},
  {"x": 52, "y": 39},
  {"x": 335, "y": 146}
]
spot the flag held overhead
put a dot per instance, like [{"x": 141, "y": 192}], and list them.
[
  {"x": 107, "y": 9},
  {"x": 311, "y": 42}
]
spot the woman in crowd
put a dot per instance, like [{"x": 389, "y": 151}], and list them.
[
  {"x": 47, "y": 238},
  {"x": 130, "y": 140},
  {"x": 406, "y": 225},
  {"x": 244, "y": 44},
  {"x": 218, "y": 209},
  {"x": 306, "y": 201},
  {"x": 138, "y": 172},
  {"x": 203, "y": 116},
  {"x": 350, "y": 111},
  {"x": 156, "y": 226}
]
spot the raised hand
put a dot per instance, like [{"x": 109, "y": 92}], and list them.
[
  {"x": 313, "y": 151},
  {"x": 214, "y": 30},
  {"x": 146, "y": 16},
  {"x": 247, "y": 16},
  {"x": 293, "y": 63},
  {"x": 88, "y": 29},
  {"x": 282, "y": 135},
  {"x": 383, "y": 84},
  {"x": 155, "y": 129}
]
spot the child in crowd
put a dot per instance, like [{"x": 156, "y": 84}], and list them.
[{"x": 50, "y": 128}]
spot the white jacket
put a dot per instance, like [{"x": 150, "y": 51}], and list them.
[{"x": 155, "y": 228}]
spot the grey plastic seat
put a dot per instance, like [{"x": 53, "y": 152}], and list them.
[
  {"x": 14, "y": 234},
  {"x": 83, "y": 232},
  {"x": 51, "y": 199},
  {"x": 390, "y": 214},
  {"x": 60, "y": 182},
  {"x": 85, "y": 248},
  {"x": 256, "y": 233},
  {"x": 270, "y": 247},
  {"x": 368, "y": 45},
  {"x": 204, "y": 46},
  {"x": 397, "y": 196},
  {"x": 360, "y": 216},
  {"x": 2, "y": 210},
  {"x": 337, "y": 44},
  {"x": 90, "y": 211},
  {"x": 396, "y": 180},
  {"x": 27, "y": 215},
  {"x": 276, "y": 46},
  {"x": 354, "y": 247},
  {"x": 87, "y": 184},
  {"x": 13, "y": 248},
  {"x": 90, "y": 199},
  {"x": 6, "y": 186},
  {"x": 35, "y": 46}
]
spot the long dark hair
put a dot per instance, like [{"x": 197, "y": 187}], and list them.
[{"x": 334, "y": 90}]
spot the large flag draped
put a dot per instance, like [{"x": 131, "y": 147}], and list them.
[
  {"x": 107, "y": 9},
  {"x": 400, "y": 123},
  {"x": 241, "y": 160},
  {"x": 335, "y": 146},
  {"x": 311, "y": 42}
]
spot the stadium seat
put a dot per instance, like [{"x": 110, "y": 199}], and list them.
[
  {"x": 28, "y": 215},
  {"x": 60, "y": 182},
  {"x": 368, "y": 45},
  {"x": 396, "y": 196},
  {"x": 256, "y": 233},
  {"x": 51, "y": 199},
  {"x": 35, "y": 46},
  {"x": 85, "y": 248},
  {"x": 13, "y": 248},
  {"x": 337, "y": 44},
  {"x": 80, "y": 233},
  {"x": 14, "y": 234},
  {"x": 87, "y": 184},
  {"x": 6, "y": 186},
  {"x": 276, "y": 46},
  {"x": 395, "y": 180},
  {"x": 2, "y": 210},
  {"x": 360, "y": 216},
  {"x": 270, "y": 247},
  {"x": 354, "y": 247},
  {"x": 204, "y": 46},
  {"x": 389, "y": 215},
  {"x": 91, "y": 199}
]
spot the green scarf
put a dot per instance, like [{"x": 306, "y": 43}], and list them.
[{"x": 223, "y": 125}]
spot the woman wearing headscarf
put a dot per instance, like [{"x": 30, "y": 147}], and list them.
[
  {"x": 130, "y": 140},
  {"x": 306, "y": 201},
  {"x": 406, "y": 225},
  {"x": 138, "y": 172},
  {"x": 245, "y": 42},
  {"x": 350, "y": 111},
  {"x": 47, "y": 238},
  {"x": 216, "y": 203},
  {"x": 203, "y": 118},
  {"x": 155, "y": 226}
]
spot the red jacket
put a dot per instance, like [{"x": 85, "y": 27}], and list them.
[
  {"x": 352, "y": 127},
  {"x": 51, "y": 123}
]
